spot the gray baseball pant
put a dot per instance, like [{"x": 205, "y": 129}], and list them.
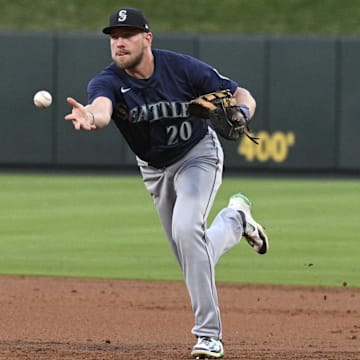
[{"x": 183, "y": 194}]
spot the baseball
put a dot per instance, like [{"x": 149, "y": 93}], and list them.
[{"x": 42, "y": 99}]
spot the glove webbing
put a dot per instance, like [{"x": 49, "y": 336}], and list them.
[
  {"x": 246, "y": 129},
  {"x": 254, "y": 139}
]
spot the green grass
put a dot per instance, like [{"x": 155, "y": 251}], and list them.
[
  {"x": 106, "y": 227},
  {"x": 207, "y": 16}
]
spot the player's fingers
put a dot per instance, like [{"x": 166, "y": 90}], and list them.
[
  {"x": 76, "y": 125},
  {"x": 69, "y": 117},
  {"x": 78, "y": 109},
  {"x": 71, "y": 101}
]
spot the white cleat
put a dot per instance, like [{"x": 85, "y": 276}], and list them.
[
  {"x": 253, "y": 232},
  {"x": 208, "y": 348}
]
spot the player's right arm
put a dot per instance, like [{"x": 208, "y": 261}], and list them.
[{"x": 93, "y": 116}]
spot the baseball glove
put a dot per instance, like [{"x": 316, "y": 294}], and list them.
[{"x": 227, "y": 118}]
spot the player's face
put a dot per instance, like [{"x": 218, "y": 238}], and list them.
[{"x": 128, "y": 46}]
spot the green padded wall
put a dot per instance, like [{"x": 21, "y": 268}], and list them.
[
  {"x": 301, "y": 95},
  {"x": 348, "y": 105},
  {"x": 306, "y": 90},
  {"x": 26, "y": 66}
]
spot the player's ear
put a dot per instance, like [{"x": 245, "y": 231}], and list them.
[{"x": 148, "y": 37}]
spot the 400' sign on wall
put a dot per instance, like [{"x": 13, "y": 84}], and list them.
[{"x": 272, "y": 146}]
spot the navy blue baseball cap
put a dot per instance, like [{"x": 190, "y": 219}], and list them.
[{"x": 127, "y": 17}]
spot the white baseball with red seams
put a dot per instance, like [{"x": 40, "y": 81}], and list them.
[{"x": 42, "y": 99}]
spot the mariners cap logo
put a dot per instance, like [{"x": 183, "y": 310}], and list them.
[{"x": 122, "y": 15}]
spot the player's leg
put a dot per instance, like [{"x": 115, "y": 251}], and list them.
[
  {"x": 196, "y": 183},
  {"x": 225, "y": 232},
  {"x": 254, "y": 233},
  {"x": 183, "y": 195},
  {"x": 184, "y": 222},
  {"x": 233, "y": 222},
  {"x": 189, "y": 225},
  {"x": 159, "y": 183}
]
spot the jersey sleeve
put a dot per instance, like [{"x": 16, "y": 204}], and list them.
[
  {"x": 100, "y": 86},
  {"x": 206, "y": 78}
]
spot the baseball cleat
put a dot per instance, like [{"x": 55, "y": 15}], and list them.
[
  {"x": 254, "y": 233},
  {"x": 208, "y": 348}
]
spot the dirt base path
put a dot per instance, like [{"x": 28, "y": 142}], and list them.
[{"x": 56, "y": 318}]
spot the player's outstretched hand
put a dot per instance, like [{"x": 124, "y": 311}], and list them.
[{"x": 80, "y": 117}]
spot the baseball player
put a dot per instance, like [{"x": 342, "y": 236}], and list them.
[{"x": 146, "y": 93}]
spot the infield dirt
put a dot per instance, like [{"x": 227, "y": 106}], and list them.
[{"x": 66, "y": 318}]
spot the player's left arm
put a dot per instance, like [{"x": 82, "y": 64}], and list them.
[{"x": 244, "y": 97}]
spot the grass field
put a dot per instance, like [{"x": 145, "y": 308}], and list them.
[{"x": 106, "y": 226}]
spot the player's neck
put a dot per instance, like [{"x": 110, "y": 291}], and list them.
[{"x": 145, "y": 68}]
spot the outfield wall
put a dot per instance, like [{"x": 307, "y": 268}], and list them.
[{"x": 306, "y": 89}]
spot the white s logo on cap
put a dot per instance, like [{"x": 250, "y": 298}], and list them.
[{"x": 122, "y": 15}]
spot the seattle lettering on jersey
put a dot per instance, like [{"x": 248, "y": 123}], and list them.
[
  {"x": 159, "y": 110},
  {"x": 152, "y": 114}
]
